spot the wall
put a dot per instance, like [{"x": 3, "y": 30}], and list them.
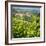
[{"x": 2, "y": 24}]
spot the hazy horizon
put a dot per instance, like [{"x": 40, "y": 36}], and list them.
[{"x": 32, "y": 9}]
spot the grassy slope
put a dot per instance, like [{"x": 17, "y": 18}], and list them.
[{"x": 26, "y": 26}]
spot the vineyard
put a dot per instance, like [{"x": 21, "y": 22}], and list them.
[{"x": 25, "y": 25}]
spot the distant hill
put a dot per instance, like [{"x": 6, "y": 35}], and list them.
[{"x": 21, "y": 9}]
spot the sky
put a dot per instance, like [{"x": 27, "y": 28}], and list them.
[{"x": 25, "y": 8}]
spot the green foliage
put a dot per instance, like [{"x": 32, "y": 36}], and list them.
[{"x": 25, "y": 26}]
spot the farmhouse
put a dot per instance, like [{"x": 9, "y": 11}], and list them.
[{"x": 22, "y": 14}]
